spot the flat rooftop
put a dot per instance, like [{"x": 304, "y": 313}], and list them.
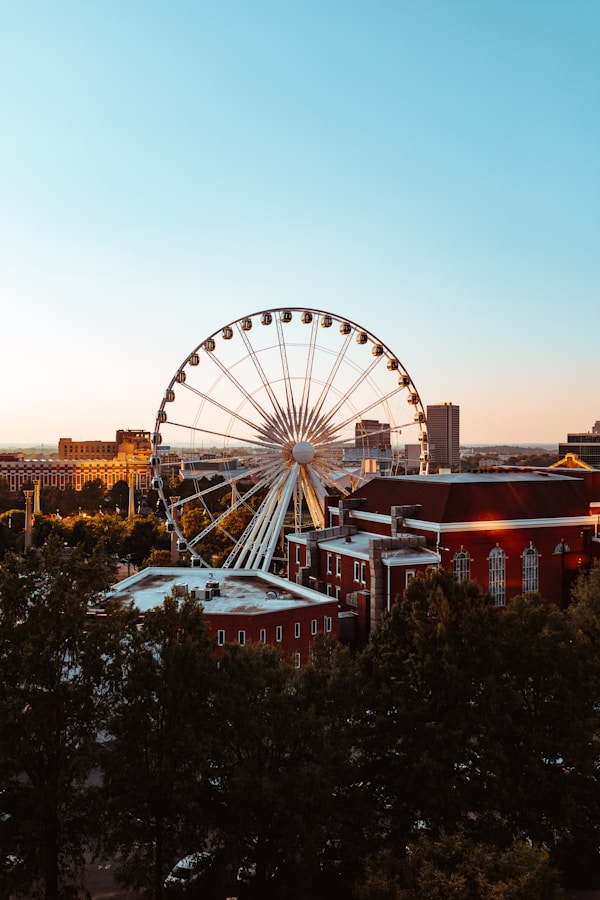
[
  {"x": 358, "y": 548},
  {"x": 241, "y": 591}
]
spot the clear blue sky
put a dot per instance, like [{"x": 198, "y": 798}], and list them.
[{"x": 428, "y": 168}]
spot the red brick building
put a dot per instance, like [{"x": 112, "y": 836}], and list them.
[
  {"x": 241, "y": 605},
  {"x": 512, "y": 531}
]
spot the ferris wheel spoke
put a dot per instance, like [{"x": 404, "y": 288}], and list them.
[
  {"x": 310, "y": 360},
  {"x": 279, "y": 412},
  {"x": 269, "y": 533},
  {"x": 216, "y": 522},
  {"x": 226, "y": 409},
  {"x": 256, "y": 442},
  {"x": 292, "y": 415},
  {"x": 255, "y": 543},
  {"x": 312, "y": 488},
  {"x": 316, "y": 412},
  {"x": 272, "y": 421},
  {"x": 357, "y": 415},
  {"x": 324, "y": 420}
]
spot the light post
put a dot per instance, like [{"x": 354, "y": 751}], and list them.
[{"x": 28, "y": 517}]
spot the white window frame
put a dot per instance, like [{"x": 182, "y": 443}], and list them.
[
  {"x": 356, "y": 570},
  {"x": 497, "y": 575},
  {"x": 363, "y": 573},
  {"x": 296, "y": 629},
  {"x": 328, "y": 590},
  {"x": 298, "y": 554},
  {"x": 278, "y": 633},
  {"x": 263, "y": 635},
  {"x": 328, "y": 623},
  {"x": 408, "y": 576},
  {"x": 241, "y": 637},
  {"x": 338, "y": 567},
  {"x": 296, "y": 660},
  {"x": 338, "y": 593},
  {"x": 329, "y": 566},
  {"x": 461, "y": 564},
  {"x": 313, "y": 626},
  {"x": 531, "y": 572},
  {"x": 220, "y": 637}
]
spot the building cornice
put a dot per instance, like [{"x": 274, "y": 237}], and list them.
[{"x": 481, "y": 524}]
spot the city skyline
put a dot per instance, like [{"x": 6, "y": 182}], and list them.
[{"x": 427, "y": 170}]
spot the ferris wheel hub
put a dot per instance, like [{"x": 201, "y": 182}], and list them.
[{"x": 303, "y": 452}]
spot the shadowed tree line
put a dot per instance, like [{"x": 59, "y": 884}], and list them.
[
  {"x": 456, "y": 756},
  {"x": 92, "y": 514}
]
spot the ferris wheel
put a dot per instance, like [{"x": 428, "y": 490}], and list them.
[{"x": 267, "y": 417}]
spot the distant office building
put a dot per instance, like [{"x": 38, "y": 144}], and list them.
[
  {"x": 16, "y": 473},
  {"x": 370, "y": 434},
  {"x": 585, "y": 445},
  {"x": 124, "y": 459},
  {"x": 443, "y": 427},
  {"x": 126, "y": 441}
]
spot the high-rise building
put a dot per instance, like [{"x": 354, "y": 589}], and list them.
[
  {"x": 371, "y": 434},
  {"x": 443, "y": 428},
  {"x": 586, "y": 445}
]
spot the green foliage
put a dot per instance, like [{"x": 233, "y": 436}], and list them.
[
  {"x": 144, "y": 534},
  {"x": 53, "y": 692},
  {"x": 482, "y": 720},
  {"x": 455, "y": 867},
  {"x": 119, "y": 494},
  {"x": 462, "y": 739},
  {"x": 91, "y": 496},
  {"x": 157, "y": 720},
  {"x": 461, "y": 869}
]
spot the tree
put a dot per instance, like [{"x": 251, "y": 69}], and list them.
[
  {"x": 275, "y": 763},
  {"x": 425, "y": 685},
  {"x": 119, "y": 494},
  {"x": 5, "y": 495},
  {"x": 453, "y": 867},
  {"x": 52, "y": 707},
  {"x": 542, "y": 736},
  {"x": 92, "y": 495},
  {"x": 153, "y": 770},
  {"x": 146, "y": 533},
  {"x": 158, "y": 558}
]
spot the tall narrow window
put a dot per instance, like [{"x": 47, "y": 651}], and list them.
[
  {"x": 220, "y": 637},
  {"x": 313, "y": 626},
  {"x": 462, "y": 565},
  {"x": 530, "y": 558},
  {"x": 356, "y": 570},
  {"x": 338, "y": 566},
  {"x": 278, "y": 633},
  {"x": 296, "y": 629},
  {"x": 497, "y": 575},
  {"x": 329, "y": 569}
]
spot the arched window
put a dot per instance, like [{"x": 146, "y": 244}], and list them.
[
  {"x": 497, "y": 575},
  {"x": 462, "y": 565},
  {"x": 530, "y": 558}
]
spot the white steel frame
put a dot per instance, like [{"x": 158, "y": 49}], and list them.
[{"x": 295, "y": 400}]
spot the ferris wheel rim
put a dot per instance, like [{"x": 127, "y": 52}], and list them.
[{"x": 277, "y": 427}]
